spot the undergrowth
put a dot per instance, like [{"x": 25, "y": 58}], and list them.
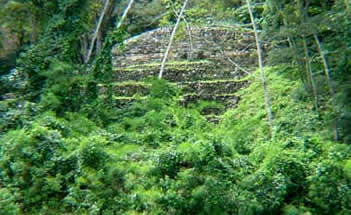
[{"x": 156, "y": 157}]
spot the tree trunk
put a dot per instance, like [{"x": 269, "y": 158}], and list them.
[
  {"x": 188, "y": 28},
  {"x": 310, "y": 73},
  {"x": 329, "y": 81},
  {"x": 99, "y": 41},
  {"x": 293, "y": 46},
  {"x": 97, "y": 30},
  {"x": 347, "y": 4},
  {"x": 98, "y": 27},
  {"x": 34, "y": 29},
  {"x": 325, "y": 64},
  {"x": 84, "y": 40},
  {"x": 260, "y": 61},
  {"x": 125, "y": 12},
  {"x": 171, "y": 39}
]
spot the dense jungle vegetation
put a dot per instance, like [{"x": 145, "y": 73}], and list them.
[{"x": 65, "y": 149}]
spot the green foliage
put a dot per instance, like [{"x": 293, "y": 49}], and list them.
[
  {"x": 57, "y": 50},
  {"x": 14, "y": 18},
  {"x": 156, "y": 157},
  {"x": 293, "y": 27},
  {"x": 71, "y": 151},
  {"x": 201, "y": 11},
  {"x": 7, "y": 203},
  {"x": 162, "y": 90},
  {"x": 145, "y": 15}
]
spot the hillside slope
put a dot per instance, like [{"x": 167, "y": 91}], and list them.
[{"x": 160, "y": 158}]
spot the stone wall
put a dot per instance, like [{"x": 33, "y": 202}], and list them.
[
  {"x": 213, "y": 44},
  {"x": 208, "y": 75}
]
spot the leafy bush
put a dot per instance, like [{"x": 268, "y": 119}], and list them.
[{"x": 156, "y": 157}]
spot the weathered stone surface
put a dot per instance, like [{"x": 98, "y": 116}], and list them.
[
  {"x": 220, "y": 87},
  {"x": 228, "y": 100},
  {"x": 213, "y": 44},
  {"x": 212, "y": 87},
  {"x": 179, "y": 71},
  {"x": 208, "y": 75}
]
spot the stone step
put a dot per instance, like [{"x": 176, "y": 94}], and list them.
[
  {"x": 225, "y": 101},
  {"x": 128, "y": 88},
  {"x": 213, "y": 118},
  {"x": 123, "y": 101},
  {"x": 212, "y": 87},
  {"x": 131, "y": 88},
  {"x": 229, "y": 100},
  {"x": 178, "y": 72}
]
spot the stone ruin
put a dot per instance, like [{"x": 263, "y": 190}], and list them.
[{"x": 210, "y": 65}]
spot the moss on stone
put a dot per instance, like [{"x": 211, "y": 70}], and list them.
[
  {"x": 173, "y": 65},
  {"x": 217, "y": 81},
  {"x": 131, "y": 83},
  {"x": 210, "y": 77},
  {"x": 129, "y": 97}
]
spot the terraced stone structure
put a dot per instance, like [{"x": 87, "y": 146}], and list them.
[{"x": 205, "y": 67}]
